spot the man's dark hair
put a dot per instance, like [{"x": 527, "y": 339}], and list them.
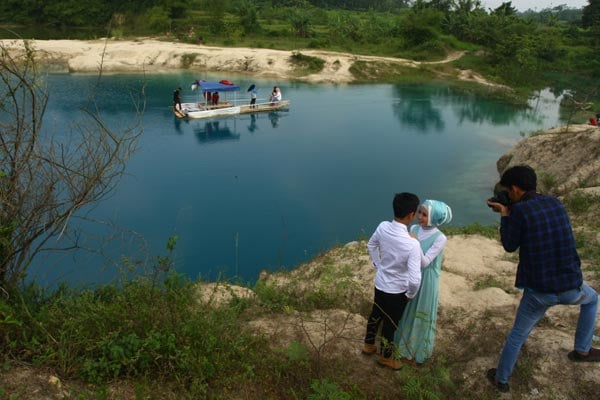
[
  {"x": 522, "y": 176},
  {"x": 404, "y": 204}
]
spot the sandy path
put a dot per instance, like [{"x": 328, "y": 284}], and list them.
[{"x": 150, "y": 55}]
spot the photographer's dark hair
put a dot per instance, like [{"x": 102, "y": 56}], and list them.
[
  {"x": 522, "y": 176},
  {"x": 404, "y": 204}
]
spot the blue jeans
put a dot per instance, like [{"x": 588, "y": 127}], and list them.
[{"x": 532, "y": 308}]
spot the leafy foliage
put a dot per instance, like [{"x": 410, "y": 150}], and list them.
[
  {"x": 591, "y": 14},
  {"x": 306, "y": 64},
  {"x": 524, "y": 49},
  {"x": 148, "y": 330},
  {"x": 327, "y": 390}
]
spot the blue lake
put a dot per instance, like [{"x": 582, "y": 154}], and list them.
[{"x": 269, "y": 191}]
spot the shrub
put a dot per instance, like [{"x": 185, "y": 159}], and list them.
[{"x": 306, "y": 64}]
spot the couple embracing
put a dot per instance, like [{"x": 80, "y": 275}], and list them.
[{"x": 408, "y": 266}]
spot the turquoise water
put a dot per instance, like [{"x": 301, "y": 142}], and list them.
[{"x": 269, "y": 191}]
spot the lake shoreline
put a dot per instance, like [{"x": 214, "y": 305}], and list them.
[{"x": 152, "y": 55}]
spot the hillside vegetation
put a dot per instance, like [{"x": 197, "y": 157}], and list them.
[{"x": 556, "y": 47}]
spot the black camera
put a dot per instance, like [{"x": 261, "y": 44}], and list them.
[{"x": 500, "y": 197}]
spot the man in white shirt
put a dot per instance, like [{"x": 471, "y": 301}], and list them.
[{"x": 396, "y": 257}]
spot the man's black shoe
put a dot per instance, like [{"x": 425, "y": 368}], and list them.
[
  {"x": 502, "y": 387},
  {"x": 592, "y": 356}
]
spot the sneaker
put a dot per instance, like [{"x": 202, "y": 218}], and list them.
[
  {"x": 592, "y": 356},
  {"x": 390, "y": 363},
  {"x": 502, "y": 387},
  {"x": 369, "y": 349}
]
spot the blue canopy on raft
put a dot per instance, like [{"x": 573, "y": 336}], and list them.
[{"x": 215, "y": 87}]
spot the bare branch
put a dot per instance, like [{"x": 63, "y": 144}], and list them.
[{"x": 48, "y": 178}]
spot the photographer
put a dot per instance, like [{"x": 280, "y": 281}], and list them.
[{"x": 549, "y": 269}]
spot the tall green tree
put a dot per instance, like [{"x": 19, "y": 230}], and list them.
[
  {"x": 248, "y": 17},
  {"x": 344, "y": 26},
  {"x": 422, "y": 25},
  {"x": 505, "y": 10},
  {"x": 591, "y": 14},
  {"x": 216, "y": 12},
  {"x": 67, "y": 13},
  {"x": 300, "y": 21}
]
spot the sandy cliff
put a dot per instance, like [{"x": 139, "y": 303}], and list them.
[
  {"x": 151, "y": 55},
  {"x": 477, "y": 295}
]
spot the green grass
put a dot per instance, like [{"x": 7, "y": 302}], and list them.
[
  {"x": 390, "y": 72},
  {"x": 489, "y": 231},
  {"x": 580, "y": 202},
  {"x": 157, "y": 341},
  {"x": 138, "y": 330},
  {"x": 547, "y": 182},
  {"x": 584, "y": 210},
  {"x": 486, "y": 281},
  {"x": 305, "y": 65}
]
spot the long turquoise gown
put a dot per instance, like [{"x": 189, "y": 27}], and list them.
[{"x": 415, "y": 335}]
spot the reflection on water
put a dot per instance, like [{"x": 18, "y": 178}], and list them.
[
  {"x": 223, "y": 129},
  {"x": 252, "y": 127},
  {"x": 178, "y": 122},
  {"x": 270, "y": 190},
  {"x": 422, "y": 107},
  {"x": 274, "y": 118},
  {"x": 214, "y": 130},
  {"x": 416, "y": 108}
]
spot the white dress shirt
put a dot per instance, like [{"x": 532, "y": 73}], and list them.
[{"x": 397, "y": 259}]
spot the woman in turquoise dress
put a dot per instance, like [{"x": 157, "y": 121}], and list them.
[{"x": 415, "y": 335}]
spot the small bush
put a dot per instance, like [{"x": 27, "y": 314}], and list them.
[
  {"x": 579, "y": 202},
  {"x": 188, "y": 59},
  {"x": 548, "y": 182},
  {"x": 138, "y": 329},
  {"x": 318, "y": 44},
  {"x": 306, "y": 64},
  {"x": 487, "y": 281},
  {"x": 326, "y": 390}
]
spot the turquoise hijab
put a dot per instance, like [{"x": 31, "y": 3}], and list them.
[{"x": 438, "y": 212}]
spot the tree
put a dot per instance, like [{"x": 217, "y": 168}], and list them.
[
  {"x": 505, "y": 9},
  {"x": 421, "y": 26},
  {"x": 249, "y": 18},
  {"x": 216, "y": 11},
  {"x": 345, "y": 26},
  {"x": 48, "y": 179},
  {"x": 158, "y": 18},
  {"x": 75, "y": 13},
  {"x": 300, "y": 20},
  {"x": 591, "y": 20},
  {"x": 591, "y": 14}
]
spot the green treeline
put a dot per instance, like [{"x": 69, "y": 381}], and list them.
[{"x": 530, "y": 49}]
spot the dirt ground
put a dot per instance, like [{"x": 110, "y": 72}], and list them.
[
  {"x": 151, "y": 55},
  {"x": 477, "y": 306}
]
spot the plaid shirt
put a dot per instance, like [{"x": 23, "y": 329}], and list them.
[{"x": 539, "y": 227}]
